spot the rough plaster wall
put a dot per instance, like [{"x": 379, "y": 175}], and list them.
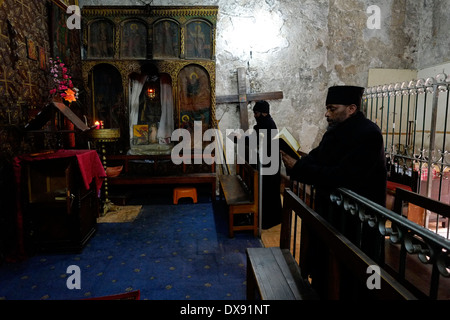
[
  {"x": 434, "y": 24},
  {"x": 296, "y": 65},
  {"x": 311, "y": 45}
]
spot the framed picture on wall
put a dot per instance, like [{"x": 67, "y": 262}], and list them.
[
  {"x": 31, "y": 49},
  {"x": 42, "y": 59}
]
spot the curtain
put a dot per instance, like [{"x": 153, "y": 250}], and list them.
[
  {"x": 166, "y": 125},
  {"x": 135, "y": 89}
]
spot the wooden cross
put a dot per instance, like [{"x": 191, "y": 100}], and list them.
[
  {"x": 243, "y": 98},
  {"x": 6, "y": 80},
  {"x": 30, "y": 84}
]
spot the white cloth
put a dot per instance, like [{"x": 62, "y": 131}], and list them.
[
  {"x": 135, "y": 90},
  {"x": 166, "y": 125}
]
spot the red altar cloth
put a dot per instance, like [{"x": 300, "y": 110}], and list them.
[
  {"x": 90, "y": 165},
  {"x": 91, "y": 169}
]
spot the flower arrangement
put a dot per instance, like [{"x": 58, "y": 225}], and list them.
[{"x": 61, "y": 81}]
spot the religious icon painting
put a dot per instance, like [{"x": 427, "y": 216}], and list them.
[
  {"x": 198, "y": 40},
  {"x": 31, "y": 49},
  {"x": 140, "y": 134},
  {"x": 134, "y": 40},
  {"x": 166, "y": 42},
  {"x": 194, "y": 91},
  {"x": 42, "y": 59},
  {"x": 101, "y": 39}
]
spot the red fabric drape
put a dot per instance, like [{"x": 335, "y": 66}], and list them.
[{"x": 91, "y": 169}]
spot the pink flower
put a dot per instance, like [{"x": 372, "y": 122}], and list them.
[{"x": 62, "y": 83}]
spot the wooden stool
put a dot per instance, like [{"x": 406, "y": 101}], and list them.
[{"x": 179, "y": 193}]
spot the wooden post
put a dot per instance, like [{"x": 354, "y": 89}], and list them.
[{"x": 244, "y": 98}]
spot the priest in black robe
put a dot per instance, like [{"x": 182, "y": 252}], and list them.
[
  {"x": 350, "y": 155},
  {"x": 270, "y": 209},
  {"x": 271, "y": 197}
]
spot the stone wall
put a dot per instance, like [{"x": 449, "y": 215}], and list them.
[
  {"x": 302, "y": 47},
  {"x": 26, "y": 43},
  {"x": 432, "y": 42}
]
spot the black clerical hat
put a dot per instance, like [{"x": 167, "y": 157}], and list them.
[
  {"x": 262, "y": 106},
  {"x": 345, "y": 95}
]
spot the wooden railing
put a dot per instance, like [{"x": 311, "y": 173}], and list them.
[
  {"x": 413, "y": 255},
  {"x": 338, "y": 269},
  {"x": 421, "y": 210}
]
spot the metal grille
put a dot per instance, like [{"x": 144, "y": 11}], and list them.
[{"x": 414, "y": 119}]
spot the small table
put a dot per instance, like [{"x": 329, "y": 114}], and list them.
[{"x": 52, "y": 189}]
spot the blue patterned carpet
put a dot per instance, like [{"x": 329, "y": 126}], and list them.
[{"x": 170, "y": 252}]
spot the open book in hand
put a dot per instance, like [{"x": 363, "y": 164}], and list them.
[{"x": 288, "y": 143}]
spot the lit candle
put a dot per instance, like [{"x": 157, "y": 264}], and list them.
[
  {"x": 151, "y": 93},
  {"x": 97, "y": 125}
]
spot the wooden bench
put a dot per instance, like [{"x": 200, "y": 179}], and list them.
[
  {"x": 184, "y": 177},
  {"x": 275, "y": 274},
  {"x": 241, "y": 195}
]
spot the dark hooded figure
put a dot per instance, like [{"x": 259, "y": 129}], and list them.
[{"x": 271, "y": 199}]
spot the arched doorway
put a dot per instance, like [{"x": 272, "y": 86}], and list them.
[{"x": 108, "y": 105}]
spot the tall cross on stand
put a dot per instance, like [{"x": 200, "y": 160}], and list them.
[{"x": 243, "y": 98}]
